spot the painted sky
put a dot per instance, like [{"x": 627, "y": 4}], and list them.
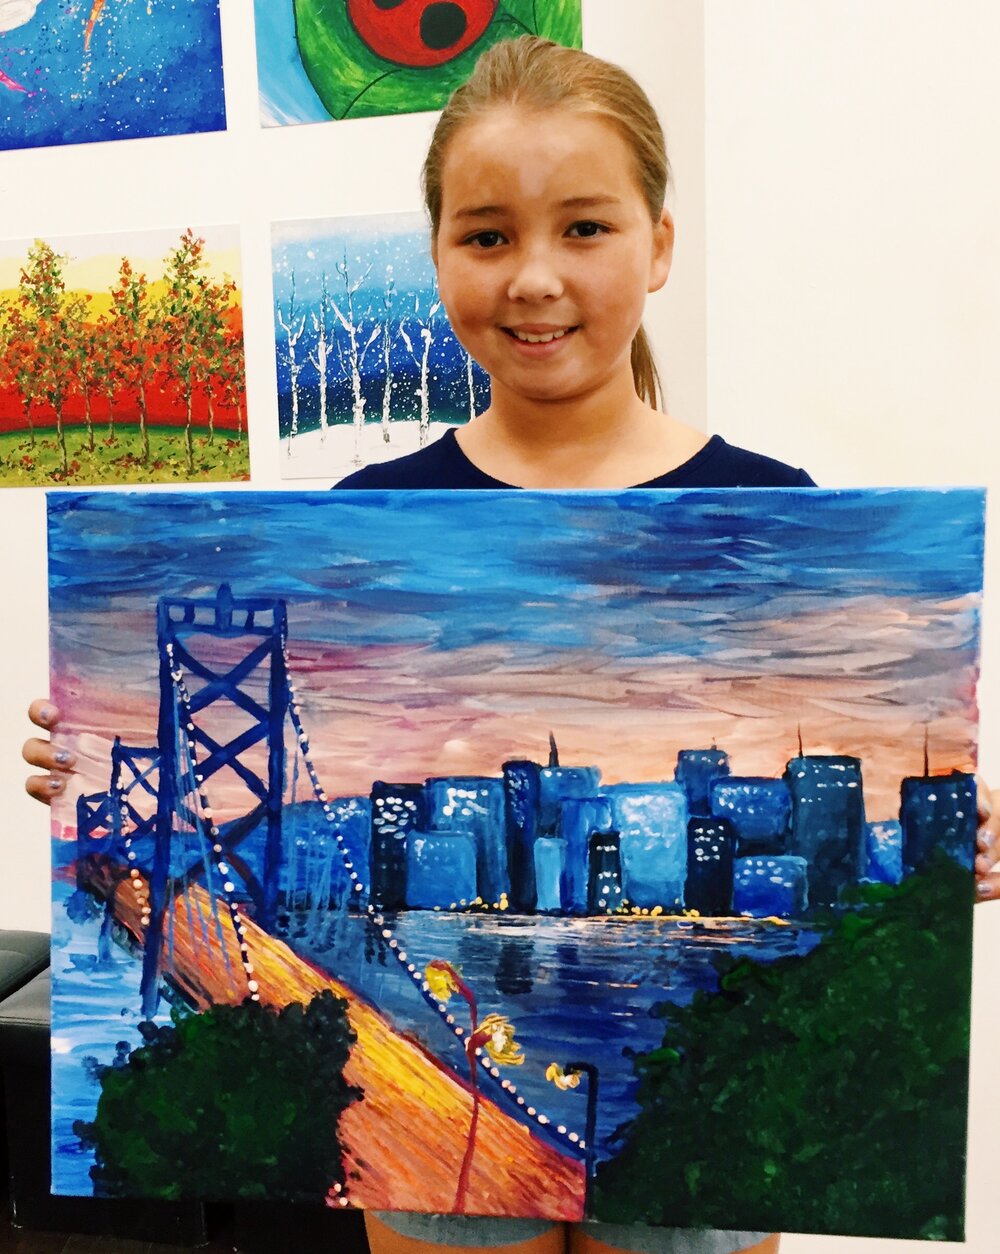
[
  {"x": 151, "y": 67},
  {"x": 93, "y": 261},
  {"x": 443, "y": 633}
]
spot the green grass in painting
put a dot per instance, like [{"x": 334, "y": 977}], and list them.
[
  {"x": 825, "y": 1093},
  {"x": 352, "y": 81},
  {"x": 240, "y": 1101},
  {"x": 118, "y": 458}
]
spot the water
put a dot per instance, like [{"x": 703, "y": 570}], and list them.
[{"x": 575, "y": 989}]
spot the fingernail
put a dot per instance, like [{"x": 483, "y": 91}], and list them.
[
  {"x": 64, "y": 757},
  {"x": 54, "y": 785},
  {"x": 984, "y": 889},
  {"x": 45, "y": 713}
]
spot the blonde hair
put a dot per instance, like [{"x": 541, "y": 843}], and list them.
[{"x": 544, "y": 75}]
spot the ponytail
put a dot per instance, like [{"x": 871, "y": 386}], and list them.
[{"x": 647, "y": 378}]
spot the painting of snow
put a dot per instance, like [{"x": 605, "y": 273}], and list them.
[
  {"x": 367, "y": 365},
  {"x": 555, "y": 854}
]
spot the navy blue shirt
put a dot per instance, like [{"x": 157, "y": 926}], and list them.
[{"x": 444, "y": 465}]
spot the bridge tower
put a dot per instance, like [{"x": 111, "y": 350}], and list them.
[{"x": 190, "y": 685}]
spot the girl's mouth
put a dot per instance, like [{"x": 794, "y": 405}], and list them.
[{"x": 538, "y": 337}]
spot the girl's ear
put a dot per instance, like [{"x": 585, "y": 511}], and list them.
[{"x": 663, "y": 251}]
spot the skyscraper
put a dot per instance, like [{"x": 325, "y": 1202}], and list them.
[
  {"x": 938, "y": 812},
  {"x": 396, "y": 810},
  {"x": 759, "y": 810},
  {"x": 696, "y": 770},
  {"x": 827, "y": 825},
  {"x": 474, "y": 804},
  {"x": 652, "y": 819},
  {"x": 711, "y": 848}
]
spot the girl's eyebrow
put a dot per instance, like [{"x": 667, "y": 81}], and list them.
[{"x": 573, "y": 202}]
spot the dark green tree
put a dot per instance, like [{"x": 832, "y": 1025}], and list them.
[
  {"x": 240, "y": 1101},
  {"x": 825, "y": 1093}
]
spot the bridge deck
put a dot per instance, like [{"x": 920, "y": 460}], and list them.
[{"x": 406, "y": 1139}]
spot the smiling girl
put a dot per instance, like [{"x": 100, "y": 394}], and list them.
[{"x": 545, "y": 185}]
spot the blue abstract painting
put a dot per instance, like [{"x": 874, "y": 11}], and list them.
[
  {"x": 364, "y": 352},
  {"x": 76, "y": 71},
  {"x": 554, "y": 854}
]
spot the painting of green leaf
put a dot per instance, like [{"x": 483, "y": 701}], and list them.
[{"x": 323, "y": 59}]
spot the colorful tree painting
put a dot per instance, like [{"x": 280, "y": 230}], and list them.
[
  {"x": 318, "y": 61},
  {"x": 148, "y": 344},
  {"x": 108, "y": 69},
  {"x": 367, "y": 364}
]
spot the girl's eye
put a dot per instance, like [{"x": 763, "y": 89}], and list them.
[
  {"x": 485, "y": 239},
  {"x": 587, "y": 230}
]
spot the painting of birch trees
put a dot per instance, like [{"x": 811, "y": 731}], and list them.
[
  {"x": 121, "y": 361},
  {"x": 367, "y": 365}
]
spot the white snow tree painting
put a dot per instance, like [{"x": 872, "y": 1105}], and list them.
[{"x": 367, "y": 366}]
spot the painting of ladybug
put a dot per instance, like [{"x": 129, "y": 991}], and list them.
[{"x": 322, "y": 59}]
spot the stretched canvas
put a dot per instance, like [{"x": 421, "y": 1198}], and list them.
[
  {"x": 359, "y": 58},
  {"x": 121, "y": 359},
  {"x": 555, "y": 854},
  {"x": 72, "y": 73},
  {"x": 364, "y": 352}
]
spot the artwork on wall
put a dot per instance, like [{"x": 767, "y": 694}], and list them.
[
  {"x": 108, "y": 69},
  {"x": 318, "y": 61},
  {"x": 551, "y": 854},
  {"x": 367, "y": 365},
  {"x": 121, "y": 359}
]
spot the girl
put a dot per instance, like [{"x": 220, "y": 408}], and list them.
[{"x": 545, "y": 184}]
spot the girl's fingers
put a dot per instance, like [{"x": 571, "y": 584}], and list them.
[
  {"x": 987, "y": 842},
  {"x": 45, "y": 788},
  {"x": 987, "y": 887},
  {"x": 49, "y": 757},
  {"x": 44, "y": 713}
]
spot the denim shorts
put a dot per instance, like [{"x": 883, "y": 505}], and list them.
[{"x": 489, "y": 1232}]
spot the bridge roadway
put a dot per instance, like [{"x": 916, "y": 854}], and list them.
[{"x": 407, "y": 1137}]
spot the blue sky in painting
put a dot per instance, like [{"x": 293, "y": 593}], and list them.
[
  {"x": 152, "y": 69},
  {"x": 447, "y": 632}
]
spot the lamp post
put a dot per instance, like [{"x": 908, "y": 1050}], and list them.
[{"x": 568, "y": 1077}]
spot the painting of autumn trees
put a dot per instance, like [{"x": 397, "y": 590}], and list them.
[{"x": 140, "y": 381}]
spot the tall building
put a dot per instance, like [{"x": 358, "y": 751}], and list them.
[
  {"x": 765, "y": 886},
  {"x": 396, "y": 810},
  {"x": 827, "y": 826},
  {"x": 440, "y": 869},
  {"x": 474, "y": 804},
  {"x": 938, "y": 812},
  {"x": 534, "y": 799},
  {"x": 550, "y": 870},
  {"x": 758, "y": 808},
  {"x": 653, "y": 820},
  {"x": 696, "y": 771},
  {"x": 884, "y": 849},
  {"x": 604, "y": 893},
  {"x": 711, "y": 850},
  {"x": 579, "y": 818}
]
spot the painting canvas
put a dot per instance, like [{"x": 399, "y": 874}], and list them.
[
  {"x": 121, "y": 359},
  {"x": 359, "y": 58},
  {"x": 72, "y": 73},
  {"x": 551, "y": 854},
  {"x": 364, "y": 352}
]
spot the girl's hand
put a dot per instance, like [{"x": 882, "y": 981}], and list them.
[
  {"x": 57, "y": 762},
  {"x": 987, "y": 843}
]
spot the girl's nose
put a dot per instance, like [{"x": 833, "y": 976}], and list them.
[{"x": 534, "y": 277}]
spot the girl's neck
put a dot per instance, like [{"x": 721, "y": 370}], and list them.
[{"x": 607, "y": 443}]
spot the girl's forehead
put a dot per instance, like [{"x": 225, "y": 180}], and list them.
[{"x": 536, "y": 154}]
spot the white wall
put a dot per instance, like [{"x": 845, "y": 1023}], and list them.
[
  {"x": 847, "y": 321},
  {"x": 853, "y": 299}
]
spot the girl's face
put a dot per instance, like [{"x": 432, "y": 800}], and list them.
[{"x": 546, "y": 251}]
